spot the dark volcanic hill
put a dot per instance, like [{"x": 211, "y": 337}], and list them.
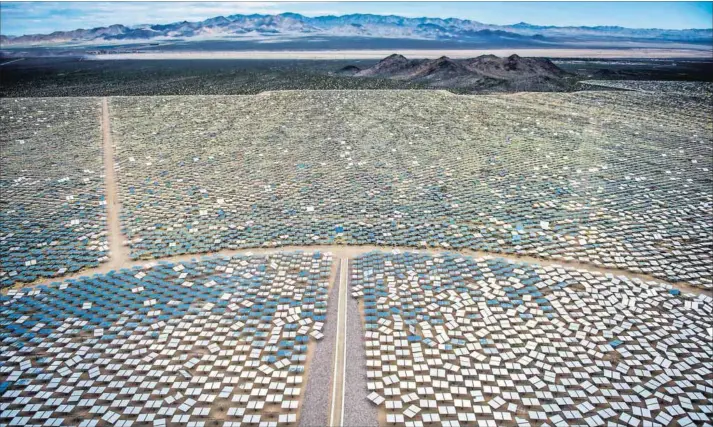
[
  {"x": 349, "y": 70},
  {"x": 513, "y": 67},
  {"x": 487, "y": 72}
]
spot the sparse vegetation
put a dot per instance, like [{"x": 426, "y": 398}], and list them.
[{"x": 43, "y": 77}]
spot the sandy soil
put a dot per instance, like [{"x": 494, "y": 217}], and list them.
[{"x": 378, "y": 54}]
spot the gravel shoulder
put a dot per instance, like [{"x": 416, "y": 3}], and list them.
[
  {"x": 315, "y": 407},
  {"x": 359, "y": 412}
]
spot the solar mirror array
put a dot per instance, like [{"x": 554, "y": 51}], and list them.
[
  {"x": 618, "y": 180},
  {"x": 452, "y": 340},
  {"x": 218, "y": 339},
  {"x": 52, "y": 214}
]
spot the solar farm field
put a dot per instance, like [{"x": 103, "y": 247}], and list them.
[
  {"x": 457, "y": 341},
  {"x": 358, "y": 258},
  {"x": 610, "y": 179},
  {"x": 171, "y": 344},
  {"x": 52, "y": 215}
]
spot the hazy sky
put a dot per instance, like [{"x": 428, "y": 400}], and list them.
[{"x": 44, "y": 17}]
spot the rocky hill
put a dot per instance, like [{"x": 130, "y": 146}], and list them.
[{"x": 486, "y": 72}]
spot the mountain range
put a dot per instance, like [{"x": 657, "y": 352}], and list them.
[{"x": 256, "y": 26}]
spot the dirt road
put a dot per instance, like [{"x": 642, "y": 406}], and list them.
[{"x": 118, "y": 253}]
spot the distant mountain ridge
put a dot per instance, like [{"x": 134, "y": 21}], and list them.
[{"x": 355, "y": 25}]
